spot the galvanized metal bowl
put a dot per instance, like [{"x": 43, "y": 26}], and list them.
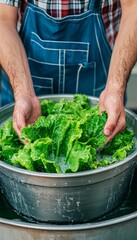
[
  {"x": 71, "y": 197},
  {"x": 121, "y": 226}
]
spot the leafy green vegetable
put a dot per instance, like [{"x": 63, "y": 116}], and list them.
[
  {"x": 64, "y": 139},
  {"x": 9, "y": 141}
]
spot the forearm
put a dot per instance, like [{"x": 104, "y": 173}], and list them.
[
  {"x": 13, "y": 60},
  {"x": 125, "y": 50}
]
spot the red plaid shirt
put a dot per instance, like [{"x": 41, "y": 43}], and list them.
[{"x": 111, "y": 11}]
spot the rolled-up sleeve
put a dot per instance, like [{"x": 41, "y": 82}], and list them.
[{"x": 15, "y": 3}]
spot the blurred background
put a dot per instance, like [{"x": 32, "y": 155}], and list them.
[{"x": 132, "y": 90}]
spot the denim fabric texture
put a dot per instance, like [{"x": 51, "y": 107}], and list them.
[{"x": 66, "y": 55}]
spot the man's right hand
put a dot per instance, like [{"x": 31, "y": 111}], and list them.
[{"x": 27, "y": 109}]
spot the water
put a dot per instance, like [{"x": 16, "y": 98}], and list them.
[{"x": 127, "y": 207}]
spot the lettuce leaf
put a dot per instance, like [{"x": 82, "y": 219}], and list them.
[{"x": 9, "y": 141}]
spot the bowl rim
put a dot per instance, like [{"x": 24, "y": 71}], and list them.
[
  {"x": 68, "y": 175},
  {"x": 72, "y": 227}
]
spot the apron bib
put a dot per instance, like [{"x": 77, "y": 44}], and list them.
[{"x": 66, "y": 55}]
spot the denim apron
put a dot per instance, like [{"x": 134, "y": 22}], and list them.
[{"x": 66, "y": 55}]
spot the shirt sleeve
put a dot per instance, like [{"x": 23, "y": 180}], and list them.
[{"x": 15, "y": 3}]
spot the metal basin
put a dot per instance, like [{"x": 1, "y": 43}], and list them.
[
  {"x": 67, "y": 198},
  {"x": 122, "y": 227}
]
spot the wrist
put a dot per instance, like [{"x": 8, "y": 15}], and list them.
[
  {"x": 115, "y": 90},
  {"x": 111, "y": 86},
  {"x": 116, "y": 83},
  {"x": 23, "y": 87},
  {"x": 24, "y": 94}
]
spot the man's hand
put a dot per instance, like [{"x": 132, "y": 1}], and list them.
[
  {"x": 112, "y": 102},
  {"x": 27, "y": 109}
]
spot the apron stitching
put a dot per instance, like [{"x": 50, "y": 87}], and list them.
[
  {"x": 59, "y": 69},
  {"x": 42, "y": 86},
  {"x": 109, "y": 50},
  {"x": 56, "y": 49},
  {"x": 95, "y": 72},
  {"x": 78, "y": 73},
  {"x": 34, "y": 60},
  {"x": 44, "y": 78},
  {"x": 62, "y": 70},
  {"x": 100, "y": 88},
  {"x": 100, "y": 53},
  {"x": 82, "y": 43},
  {"x": 35, "y": 76},
  {"x": 64, "y": 77},
  {"x": 27, "y": 14},
  {"x": 88, "y": 44}
]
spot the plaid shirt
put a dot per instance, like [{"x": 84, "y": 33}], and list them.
[{"x": 111, "y": 11}]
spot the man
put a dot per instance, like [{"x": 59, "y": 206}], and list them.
[{"x": 68, "y": 54}]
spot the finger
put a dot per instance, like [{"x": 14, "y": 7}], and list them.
[
  {"x": 18, "y": 123},
  {"x": 115, "y": 132},
  {"x": 115, "y": 121},
  {"x": 110, "y": 124},
  {"x": 17, "y": 130},
  {"x": 120, "y": 126}
]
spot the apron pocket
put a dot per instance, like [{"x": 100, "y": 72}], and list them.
[
  {"x": 61, "y": 67},
  {"x": 45, "y": 81},
  {"x": 82, "y": 79}
]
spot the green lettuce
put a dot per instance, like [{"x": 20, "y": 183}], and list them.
[
  {"x": 64, "y": 139},
  {"x": 9, "y": 141}
]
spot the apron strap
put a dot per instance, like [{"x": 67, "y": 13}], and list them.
[
  {"x": 31, "y": 1},
  {"x": 95, "y": 5}
]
